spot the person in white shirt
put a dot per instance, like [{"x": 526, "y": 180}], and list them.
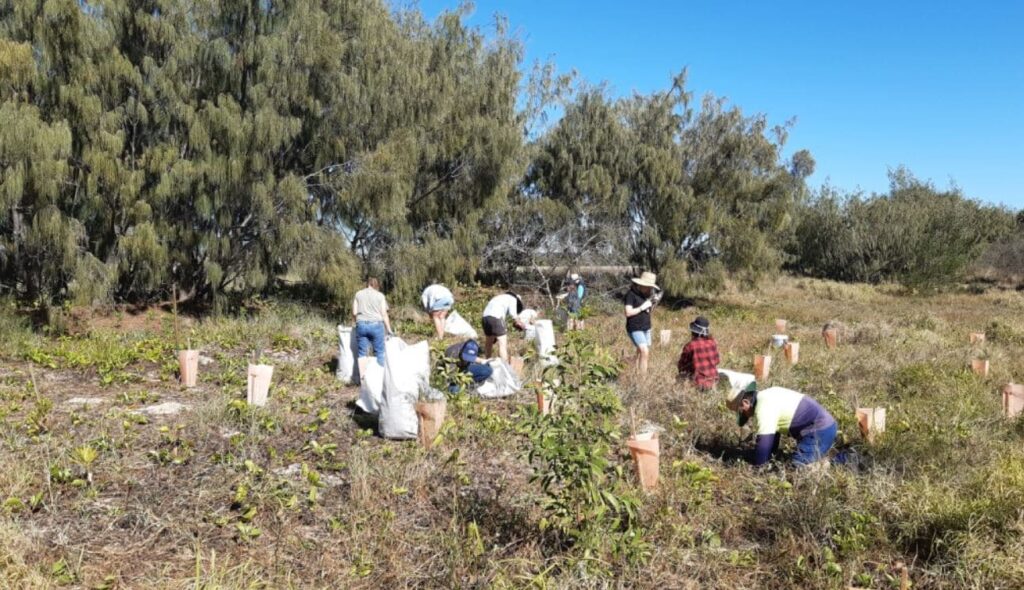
[
  {"x": 438, "y": 301},
  {"x": 506, "y": 305}
]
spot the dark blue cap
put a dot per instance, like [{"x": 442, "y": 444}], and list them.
[{"x": 470, "y": 351}]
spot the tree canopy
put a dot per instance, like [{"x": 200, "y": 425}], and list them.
[
  {"x": 229, "y": 146},
  {"x": 696, "y": 192},
  {"x": 915, "y": 234},
  {"x": 220, "y": 145}
]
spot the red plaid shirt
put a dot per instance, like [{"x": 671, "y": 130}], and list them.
[{"x": 699, "y": 360}]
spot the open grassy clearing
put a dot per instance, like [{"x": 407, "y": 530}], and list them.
[{"x": 98, "y": 493}]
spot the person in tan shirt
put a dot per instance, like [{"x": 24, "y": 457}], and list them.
[{"x": 370, "y": 311}]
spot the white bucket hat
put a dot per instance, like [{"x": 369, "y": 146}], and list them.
[{"x": 739, "y": 383}]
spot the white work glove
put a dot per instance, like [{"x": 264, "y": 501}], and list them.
[{"x": 646, "y": 305}]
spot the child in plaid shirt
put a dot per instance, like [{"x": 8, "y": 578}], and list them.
[{"x": 699, "y": 359}]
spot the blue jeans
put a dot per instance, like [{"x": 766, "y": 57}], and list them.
[
  {"x": 815, "y": 445},
  {"x": 481, "y": 372},
  {"x": 368, "y": 333}
]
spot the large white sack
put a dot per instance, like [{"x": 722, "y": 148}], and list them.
[
  {"x": 456, "y": 325},
  {"x": 737, "y": 380},
  {"x": 529, "y": 319},
  {"x": 348, "y": 368},
  {"x": 502, "y": 383},
  {"x": 406, "y": 374},
  {"x": 371, "y": 387},
  {"x": 546, "y": 342}
]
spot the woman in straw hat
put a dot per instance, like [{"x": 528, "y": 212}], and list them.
[{"x": 640, "y": 300}]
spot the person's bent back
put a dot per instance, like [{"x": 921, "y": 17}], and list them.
[{"x": 779, "y": 410}]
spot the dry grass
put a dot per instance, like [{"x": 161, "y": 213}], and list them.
[{"x": 942, "y": 491}]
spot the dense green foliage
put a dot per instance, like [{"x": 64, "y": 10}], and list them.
[
  {"x": 220, "y": 145},
  {"x": 587, "y": 502},
  {"x": 231, "y": 147},
  {"x": 1004, "y": 259},
  {"x": 687, "y": 193},
  {"x": 915, "y": 234}
]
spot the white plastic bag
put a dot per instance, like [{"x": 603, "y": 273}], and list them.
[
  {"x": 406, "y": 374},
  {"x": 371, "y": 387},
  {"x": 529, "y": 319},
  {"x": 457, "y": 326},
  {"x": 546, "y": 342},
  {"x": 502, "y": 383},
  {"x": 348, "y": 369}
]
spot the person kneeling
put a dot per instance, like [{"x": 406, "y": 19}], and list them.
[
  {"x": 779, "y": 410},
  {"x": 698, "y": 362},
  {"x": 467, "y": 357}
]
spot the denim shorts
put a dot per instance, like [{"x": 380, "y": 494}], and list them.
[
  {"x": 442, "y": 304},
  {"x": 641, "y": 337}
]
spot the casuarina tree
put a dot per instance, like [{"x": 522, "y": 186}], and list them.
[
  {"x": 697, "y": 191},
  {"x": 223, "y": 146}
]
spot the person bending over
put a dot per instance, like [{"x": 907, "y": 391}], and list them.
[
  {"x": 500, "y": 307},
  {"x": 467, "y": 357},
  {"x": 438, "y": 301},
  {"x": 779, "y": 411}
]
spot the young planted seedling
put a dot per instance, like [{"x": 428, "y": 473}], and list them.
[{"x": 85, "y": 456}]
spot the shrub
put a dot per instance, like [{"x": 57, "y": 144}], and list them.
[
  {"x": 915, "y": 234},
  {"x": 572, "y": 450}
]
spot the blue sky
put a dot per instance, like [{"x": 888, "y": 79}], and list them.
[{"x": 937, "y": 86}]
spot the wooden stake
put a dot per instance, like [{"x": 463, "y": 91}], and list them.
[
  {"x": 35, "y": 388},
  {"x": 174, "y": 307},
  {"x": 904, "y": 575}
]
